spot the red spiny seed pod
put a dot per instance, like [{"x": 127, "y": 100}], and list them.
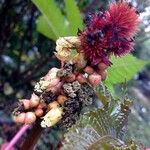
[
  {"x": 20, "y": 118},
  {"x": 89, "y": 70},
  {"x": 109, "y": 32},
  {"x": 81, "y": 79},
  {"x": 34, "y": 101},
  {"x": 39, "y": 112},
  {"x": 124, "y": 18},
  {"x": 30, "y": 118},
  {"x": 26, "y": 103},
  {"x": 94, "y": 79}
]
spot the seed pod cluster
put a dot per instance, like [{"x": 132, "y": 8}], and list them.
[
  {"x": 29, "y": 109},
  {"x": 79, "y": 95},
  {"x": 61, "y": 94},
  {"x": 48, "y": 97},
  {"x": 71, "y": 110},
  {"x": 95, "y": 74},
  {"x": 68, "y": 69}
]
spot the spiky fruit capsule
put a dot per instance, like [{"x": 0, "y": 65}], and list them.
[{"x": 109, "y": 32}]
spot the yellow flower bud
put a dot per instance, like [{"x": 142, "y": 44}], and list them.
[{"x": 52, "y": 117}]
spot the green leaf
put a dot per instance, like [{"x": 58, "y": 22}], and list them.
[
  {"x": 123, "y": 69},
  {"x": 74, "y": 17},
  {"x": 53, "y": 16},
  {"x": 44, "y": 28}
]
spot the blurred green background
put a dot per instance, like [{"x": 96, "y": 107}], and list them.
[{"x": 27, "y": 43}]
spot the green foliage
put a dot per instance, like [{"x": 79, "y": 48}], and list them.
[
  {"x": 123, "y": 69},
  {"x": 102, "y": 128},
  {"x": 73, "y": 16},
  {"x": 44, "y": 28},
  {"x": 53, "y": 23}
]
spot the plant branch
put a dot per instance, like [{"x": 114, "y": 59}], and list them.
[
  {"x": 32, "y": 139},
  {"x": 17, "y": 137}
]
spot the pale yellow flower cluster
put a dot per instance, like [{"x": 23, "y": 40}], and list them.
[
  {"x": 52, "y": 117},
  {"x": 64, "y": 46}
]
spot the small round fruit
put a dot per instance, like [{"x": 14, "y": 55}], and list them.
[
  {"x": 38, "y": 112},
  {"x": 53, "y": 104},
  {"x": 70, "y": 78},
  {"x": 41, "y": 105},
  {"x": 104, "y": 75},
  {"x": 94, "y": 79},
  {"x": 30, "y": 118},
  {"x": 61, "y": 99},
  {"x": 26, "y": 103},
  {"x": 81, "y": 79},
  {"x": 20, "y": 118},
  {"x": 102, "y": 66},
  {"x": 34, "y": 101},
  {"x": 89, "y": 70}
]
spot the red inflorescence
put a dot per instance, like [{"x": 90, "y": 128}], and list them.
[{"x": 110, "y": 32}]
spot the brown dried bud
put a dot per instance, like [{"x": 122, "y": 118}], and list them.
[
  {"x": 61, "y": 99},
  {"x": 53, "y": 104}
]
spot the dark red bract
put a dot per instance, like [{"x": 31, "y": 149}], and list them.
[{"x": 110, "y": 32}]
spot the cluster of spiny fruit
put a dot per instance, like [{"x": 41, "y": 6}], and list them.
[{"x": 60, "y": 95}]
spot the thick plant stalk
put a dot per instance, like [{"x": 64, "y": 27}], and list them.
[
  {"x": 17, "y": 137},
  {"x": 33, "y": 137}
]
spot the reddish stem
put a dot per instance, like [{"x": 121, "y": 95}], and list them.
[
  {"x": 16, "y": 137},
  {"x": 32, "y": 139}
]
